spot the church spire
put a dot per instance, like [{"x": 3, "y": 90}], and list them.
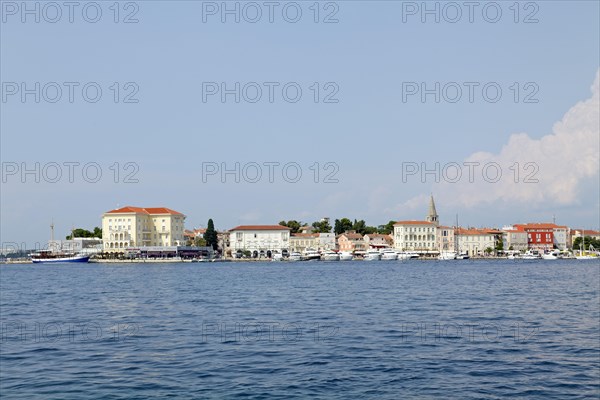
[{"x": 432, "y": 216}]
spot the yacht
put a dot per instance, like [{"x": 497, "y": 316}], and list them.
[
  {"x": 346, "y": 256},
  {"x": 531, "y": 255},
  {"x": 372, "y": 255},
  {"x": 389, "y": 254},
  {"x": 550, "y": 256},
  {"x": 406, "y": 255},
  {"x": 311, "y": 254},
  {"x": 462, "y": 256},
  {"x": 295, "y": 256},
  {"x": 275, "y": 257},
  {"x": 447, "y": 255},
  {"x": 330, "y": 255}
]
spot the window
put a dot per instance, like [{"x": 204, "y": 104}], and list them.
[{"x": 239, "y": 236}]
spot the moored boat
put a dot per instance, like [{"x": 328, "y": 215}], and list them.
[
  {"x": 389, "y": 254},
  {"x": 372, "y": 255},
  {"x": 346, "y": 256},
  {"x": 295, "y": 256},
  {"x": 48, "y": 257},
  {"x": 330, "y": 256}
]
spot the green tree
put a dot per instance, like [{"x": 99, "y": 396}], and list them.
[
  {"x": 342, "y": 225},
  {"x": 489, "y": 251},
  {"x": 588, "y": 240},
  {"x": 200, "y": 241},
  {"x": 321, "y": 226},
  {"x": 84, "y": 233},
  {"x": 292, "y": 224},
  {"x": 386, "y": 229},
  {"x": 210, "y": 236}
]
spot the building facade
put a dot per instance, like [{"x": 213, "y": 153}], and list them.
[
  {"x": 378, "y": 241},
  {"x": 351, "y": 242},
  {"x": 476, "y": 241},
  {"x": 514, "y": 239},
  {"x": 419, "y": 236},
  {"x": 138, "y": 227},
  {"x": 299, "y": 242},
  {"x": 545, "y": 236},
  {"x": 259, "y": 238}
]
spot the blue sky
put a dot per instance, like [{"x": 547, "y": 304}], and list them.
[{"x": 370, "y": 133}]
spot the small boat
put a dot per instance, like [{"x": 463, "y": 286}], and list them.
[
  {"x": 462, "y": 256},
  {"x": 531, "y": 255},
  {"x": 48, "y": 257},
  {"x": 407, "y": 255},
  {"x": 550, "y": 256},
  {"x": 447, "y": 255},
  {"x": 346, "y": 256},
  {"x": 295, "y": 256},
  {"x": 330, "y": 256},
  {"x": 311, "y": 254},
  {"x": 389, "y": 254},
  {"x": 372, "y": 255},
  {"x": 276, "y": 257}
]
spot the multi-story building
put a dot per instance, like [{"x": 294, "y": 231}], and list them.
[
  {"x": 378, "y": 241},
  {"x": 446, "y": 239},
  {"x": 326, "y": 241},
  {"x": 514, "y": 239},
  {"x": 545, "y": 236},
  {"x": 351, "y": 242},
  {"x": 475, "y": 241},
  {"x": 259, "y": 238},
  {"x": 299, "y": 242},
  {"x": 137, "y": 227},
  {"x": 420, "y": 236}
]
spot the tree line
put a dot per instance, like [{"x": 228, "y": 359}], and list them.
[{"x": 340, "y": 226}]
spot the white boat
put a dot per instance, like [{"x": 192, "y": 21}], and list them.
[
  {"x": 550, "y": 256},
  {"x": 587, "y": 257},
  {"x": 346, "y": 256},
  {"x": 276, "y": 257},
  {"x": 372, "y": 255},
  {"x": 295, "y": 256},
  {"x": 447, "y": 255},
  {"x": 389, "y": 254},
  {"x": 48, "y": 257},
  {"x": 531, "y": 255},
  {"x": 311, "y": 254},
  {"x": 330, "y": 256},
  {"x": 407, "y": 255},
  {"x": 462, "y": 256}
]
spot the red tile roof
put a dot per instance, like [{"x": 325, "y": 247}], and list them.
[
  {"x": 140, "y": 210},
  {"x": 260, "y": 228},
  {"x": 305, "y": 235},
  {"x": 539, "y": 226}
]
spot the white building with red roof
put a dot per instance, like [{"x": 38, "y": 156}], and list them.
[
  {"x": 267, "y": 238},
  {"x": 420, "y": 236},
  {"x": 137, "y": 227}
]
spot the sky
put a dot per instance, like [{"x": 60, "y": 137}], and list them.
[{"x": 258, "y": 112}]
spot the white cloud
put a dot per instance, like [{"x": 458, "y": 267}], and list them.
[{"x": 564, "y": 158}]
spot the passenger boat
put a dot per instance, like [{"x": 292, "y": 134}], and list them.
[
  {"x": 47, "y": 257},
  {"x": 346, "y": 256}
]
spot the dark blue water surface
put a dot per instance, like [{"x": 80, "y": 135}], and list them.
[{"x": 384, "y": 330}]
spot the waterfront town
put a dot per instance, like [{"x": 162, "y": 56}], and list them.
[{"x": 136, "y": 233}]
